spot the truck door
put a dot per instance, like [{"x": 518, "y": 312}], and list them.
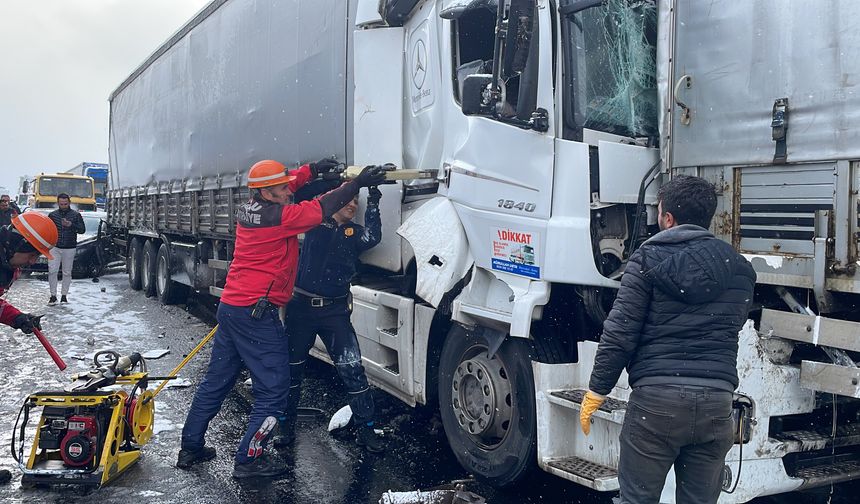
[{"x": 497, "y": 157}]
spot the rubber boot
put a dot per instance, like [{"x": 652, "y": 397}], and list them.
[
  {"x": 261, "y": 467},
  {"x": 367, "y": 438},
  {"x": 286, "y": 434},
  {"x": 188, "y": 458}
]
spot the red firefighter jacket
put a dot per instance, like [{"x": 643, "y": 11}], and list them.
[
  {"x": 267, "y": 247},
  {"x": 7, "y": 311}
]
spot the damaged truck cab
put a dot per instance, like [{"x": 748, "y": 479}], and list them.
[{"x": 551, "y": 124}]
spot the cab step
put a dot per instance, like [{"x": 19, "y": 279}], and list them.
[
  {"x": 833, "y": 470},
  {"x": 819, "y": 439},
  {"x": 596, "y": 476},
  {"x": 611, "y": 409}
]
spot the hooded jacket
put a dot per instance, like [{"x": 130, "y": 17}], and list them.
[{"x": 684, "y": 296}]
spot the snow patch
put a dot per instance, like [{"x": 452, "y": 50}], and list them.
[
  {"x": 416, "y": 497},
  {"x": 773, "y": 261},
  {"x": 164, "y": 425}
]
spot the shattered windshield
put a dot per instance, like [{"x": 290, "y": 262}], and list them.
[{"x": 611, "y": 68}]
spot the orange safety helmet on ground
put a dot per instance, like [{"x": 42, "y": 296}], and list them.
[
  {"x": 39, "y": 230},
  {"x": 268, "y": 173}
]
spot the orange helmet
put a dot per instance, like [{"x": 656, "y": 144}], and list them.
[
  {"x": 268, "y": 173},
  {"x": 39, "y": 230}
]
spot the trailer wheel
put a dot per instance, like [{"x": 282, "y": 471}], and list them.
[
  {"x": 488, "y": 406},
  {"x": 169, "y": 292},
  {"x": 132, "y": 263},
  {"x": 147, "y": 268}
]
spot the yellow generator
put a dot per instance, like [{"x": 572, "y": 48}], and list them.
[{"x": 91, "y": 433}]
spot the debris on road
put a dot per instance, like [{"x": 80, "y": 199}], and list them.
[
  {"x": 178, "y": 383},
  {"x": 340, "y": 419},
  {"x": 155, "y": 354},
  {"x": 440, "y": 496}
]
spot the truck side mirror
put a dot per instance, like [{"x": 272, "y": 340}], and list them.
[{"x": 475, "y": 99}]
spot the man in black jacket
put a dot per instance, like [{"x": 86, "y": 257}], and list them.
[
  {"x": 7, "y": 211},
  {"x": 69, "y": 225},
  {"x": 684, "y": 296},
  {"x": 8, "y": 199}
]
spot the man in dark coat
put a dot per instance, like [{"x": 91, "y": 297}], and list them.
[
  {"x": 684, "y": 296},
  {"x": 69, "y": 224},
  {"x": 7, "y": 211},
  {"x": 8, "y": 199}
]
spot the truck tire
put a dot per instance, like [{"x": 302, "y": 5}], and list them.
[
  {"x": 133, "y": 263},
  {"x": 147, "y": 268},
  {"x": 169, "y": 292},
  {"x": 488, "y": 406}
]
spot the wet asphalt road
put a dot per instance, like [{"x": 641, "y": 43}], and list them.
[{"x": 326, "y": 468}]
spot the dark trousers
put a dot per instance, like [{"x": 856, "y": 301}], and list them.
[
  {"x": 258, "y": 345},
  {"x": 331, "y": 322},
  {"x": 690, "y": 427}
]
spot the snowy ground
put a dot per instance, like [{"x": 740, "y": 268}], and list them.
[{"x": 325, "y": 468}]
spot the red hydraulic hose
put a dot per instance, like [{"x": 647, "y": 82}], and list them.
[{"x": 47, "y": 344}]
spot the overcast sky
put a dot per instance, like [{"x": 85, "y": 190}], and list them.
[{"x": 59, "y": 62}]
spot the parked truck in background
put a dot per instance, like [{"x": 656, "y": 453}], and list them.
[
  {"x": 551, "y": 124},
  {"x": 99, "y": 172},
  {"x": 46, "y": 186}
]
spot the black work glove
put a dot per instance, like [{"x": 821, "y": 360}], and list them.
[
  {"x": 389, "y": 167},
  {"x": 324, "y": 166},
  {"x": 373, "y": 196},
  {"x": 371, "y": 176},
  {"x": 27, "y": 322}
]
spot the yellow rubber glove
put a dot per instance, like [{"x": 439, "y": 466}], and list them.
[{"x": 590, "y": 403}]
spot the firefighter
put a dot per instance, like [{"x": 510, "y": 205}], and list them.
[
  {"x": 21, "y": 243},
  {"x": 250, "y": 333},
  {"x": 322, "y": 305}
]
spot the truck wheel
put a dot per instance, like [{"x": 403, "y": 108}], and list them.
[
  {"x": 169, "y": 292},
  {"x": 147, "y": 268},
  {"x": 488, "y": 406},
  {"x": 132, "y": 264}
]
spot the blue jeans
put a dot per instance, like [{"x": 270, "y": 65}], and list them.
[
  {"x": 258, "y": 345},
  {"x": 690, "y": 427}
]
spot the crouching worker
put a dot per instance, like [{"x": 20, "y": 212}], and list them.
[
  {"x": 322, "y": 305},
  {"x": 21, "y": 243},
  {"x": 250, "y": 333}
]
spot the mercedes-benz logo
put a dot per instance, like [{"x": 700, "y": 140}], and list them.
[{"x": 419, "y": 64}]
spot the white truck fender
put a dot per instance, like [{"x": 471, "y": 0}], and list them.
[{"x": 442, "y": 254}]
